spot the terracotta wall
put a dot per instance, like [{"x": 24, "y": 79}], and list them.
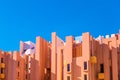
[
  {"x": 51, "y": 60},
  {"x": 41, "y": 55}
]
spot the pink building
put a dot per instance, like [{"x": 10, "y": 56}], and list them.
[
  {"x": 85, "y": 58},
  {"x": 76, "y": 58}
]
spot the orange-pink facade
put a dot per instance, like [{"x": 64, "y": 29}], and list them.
[{"x": 76, "y": 58}]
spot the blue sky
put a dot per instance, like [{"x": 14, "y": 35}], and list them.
[{"x": 26, "y": 19}]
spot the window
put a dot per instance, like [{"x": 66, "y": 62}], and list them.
[
  {"x": 1, "y": 70},
  {"x": 68, "y": 67},
  {"x": 1, "y": 60},
  {"x": 101, "y": 68},
  {"x": 68, "y": 77},
  {"x": 85, "y": 65},
  {"x": 85, "y": 77},
  {"x": 18, "y": 63}
]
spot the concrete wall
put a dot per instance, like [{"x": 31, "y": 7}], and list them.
[
  {"x": 51, "y": 59},
  {"x": 41, "y": 56}
]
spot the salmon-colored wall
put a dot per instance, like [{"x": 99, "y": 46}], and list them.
[
  {"x": 50, "y": 59},
  {"x": 119, "y": 66},
  {"x": 53, "y": 57},
  {"x": 90, "y": 47},
  {"x": 68, "y": 51},
  {"x": 41, "y": 56}
]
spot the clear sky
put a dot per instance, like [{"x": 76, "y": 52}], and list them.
[{"x": 26, "y": 19}]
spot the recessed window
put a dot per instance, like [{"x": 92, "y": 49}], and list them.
[
  {"x": 2, "y": 70},
  {"x": 85, "y": 65},
  {"x": 1, "y": 60},
  {"x": 85, "y": 77},
  {"x": 68, "y": 77},
  {"x": 68, "y": 67},
  {"x": 101, "y": 68}
]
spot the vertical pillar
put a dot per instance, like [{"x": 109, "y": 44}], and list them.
[
  {"x": 106, "y": 62},
  {"x": 54, "y": 58},
  {"x": 86, "y": 55},
  {"x": 9, "y": 66},
  {"x": 68, "y": 58},
  {"x": 14, "y": 67},
  {"x": 114, "y": 60},
  {"x": 59, "y": 65}
]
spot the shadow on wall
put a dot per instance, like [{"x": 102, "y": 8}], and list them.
[
  {"x": 76, "y": 70},
  {"x": 35, "y": 71},
  {"x": 20, "y": 70}
]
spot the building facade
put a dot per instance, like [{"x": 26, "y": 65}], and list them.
[{"x": 76, "y": 58}]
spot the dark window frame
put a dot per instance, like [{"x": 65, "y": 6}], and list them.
[
  {"x": 101, "y": 68},
  {"x": 85, "y": 77},
  {"x": 2, "y": 60},
  {"x": 68, "y": 67},
  {"x": 85, "y": 65},
  {"x": 2, "y": 70}
]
